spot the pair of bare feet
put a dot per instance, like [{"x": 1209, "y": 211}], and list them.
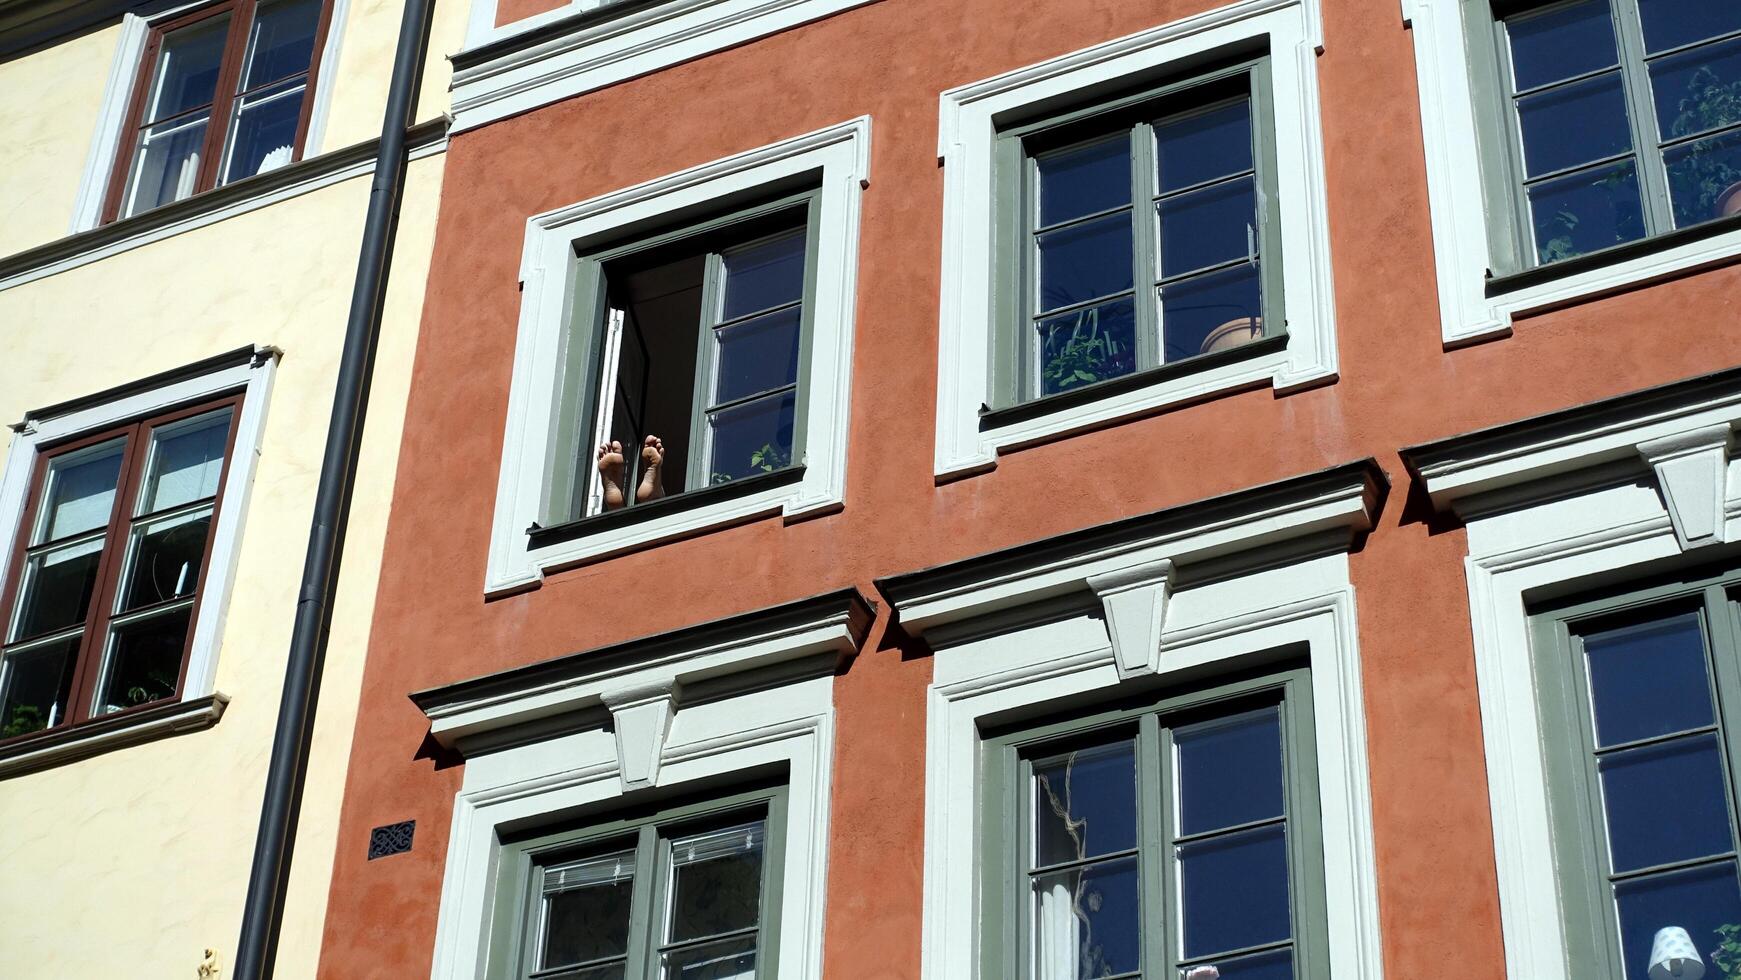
[{"x": 610, "y": 469}]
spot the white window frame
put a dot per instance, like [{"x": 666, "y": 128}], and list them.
[
  {"x": 656, "y": 738},
  {"x": 124, "y": 74},
  {"x": 1614, "y": 501},
  {"x": 968, "y": 133},
  {"x": 608, "y": 49},
  {"x": 249, "y": 371},
  {"x": 1458, "y": 205},
  {"x": 841, "y": 155}
]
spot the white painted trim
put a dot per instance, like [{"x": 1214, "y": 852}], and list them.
[
  {"x": 967, "y": 137},
  {"x": 1458, "y": 205},
  {"x": 841, "y": 154},
  {"x": 255, "y": 381},
  {"x": 609, "y": 50},
  {"x": 118, "y": 92},
  {"x": 1216, "y": 626},
  {"x": 537, "y": 782},
  {"x": 77, "y": 743}
]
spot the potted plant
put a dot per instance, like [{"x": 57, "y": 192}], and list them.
[
  {"x": 1707, "y": 181},
  {"x": 1083, "y": 354},
  {"x": 1234, "y": 333}
]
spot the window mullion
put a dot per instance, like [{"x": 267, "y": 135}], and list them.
[
  {"x": 224, "y": 95},
  {"x": 1725, "y": 649},
  {"x": 1641, "y": 115},
  {"x": 1146, "y": 265},
  {"x": 1155, "y": 775},
  {"x": 1269, "y": 213},
  {"x": 92, "y": 649},
  {"x": 706, "y": 365},
  {"x": 644, "y": 924}
]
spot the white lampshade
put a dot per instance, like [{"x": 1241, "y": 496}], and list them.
[{"x": 1673, "y": 956}]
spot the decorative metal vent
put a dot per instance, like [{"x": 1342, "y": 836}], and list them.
[{"x": 395, "y": 838}]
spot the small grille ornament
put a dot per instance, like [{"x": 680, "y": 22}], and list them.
[{"x": 394, "y": 838}]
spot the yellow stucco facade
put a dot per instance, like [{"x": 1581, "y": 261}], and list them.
[{"x": 134, "y": 862}]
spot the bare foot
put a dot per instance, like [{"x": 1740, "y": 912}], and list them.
[
  {"x": 652, "y": 461},
  {"x": 610, "y": 468}
]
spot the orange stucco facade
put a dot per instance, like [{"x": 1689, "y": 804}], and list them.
[{"x": 889, "y": 60}]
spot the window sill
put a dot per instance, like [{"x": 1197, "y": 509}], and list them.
[
  {"x": 46, "y": 749},
  {"x": 1614, "y": 255},
  {"x": 996, "y": 418},
  {"x": 540, "y": 537}
]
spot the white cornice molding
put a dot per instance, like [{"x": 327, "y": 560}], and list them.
[
  {"x": 1130, "y": 564},
  {"x": 1680, "y": 433},
  {"x": 642, "y": 681}
]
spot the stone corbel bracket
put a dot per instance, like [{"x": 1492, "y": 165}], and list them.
[
  {"x": 1679, "y": 435},
  {"x": 1132, "y": 565},
  {"x": 641, "y": 683}
]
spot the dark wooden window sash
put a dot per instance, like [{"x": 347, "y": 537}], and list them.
[
  {"x": 111, "y": 563},
  {"x": 224, "y": 95}
]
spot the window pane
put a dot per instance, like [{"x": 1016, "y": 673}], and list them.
[
  {"x": 727, "y": 959},
  {"x": 1230, "y": 771},
  {"x": 763, "y": 276},
  {"x": 281, "y": 42},
  {"x": 1084, "y": 180},
  {"x": 79, "y": 493},
  {"x": 263, "y": 131},
  {"x": 758, "y": 355},
  {"x": 1212, "y": 312},
  {"x": 1561, "y": 43},
  {"x": 1085, "y": 261},
  {"x": 1208, "y": 227},
  {"x": 57, "y": 588},
  {"x": 165, "y": 560},
  {"x": 1697, "y": 91},
  {"x": 1666, "y": 802},
  {"x": 1672, "y": 23},
  {"x": 1204, "y": 146},
  {"x": 36, "y": 686},
  {"x": 1087, "y": 922},
  {"x": 1704, "y": 178},
  {"x": 1085, "y": 804},
  {"x": 586, "y": 911},
  {"x": 1575, "y": 124},
  {"x": 186, "y": 459},
  {"x": 716, "y": 882},
  {"x": 1088, "y": 345},
  {"x": 1274, "y": 965},
  {"x": 144, "y": 661},
  {"x": 166, "y": 163},
  {"x": 186, "y": 75},
  {"x": 1586, "y": 211},
  {"x": 1648, "y": 679},
  {"x": 1698, "y": 900},
  {"x": 753, "y": 438},
  {"x": 1235, "y": 891}
]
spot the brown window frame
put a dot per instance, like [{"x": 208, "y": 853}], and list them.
[
  {"x": 222, "y": 106},
  {"x": 111, "y": 564}
]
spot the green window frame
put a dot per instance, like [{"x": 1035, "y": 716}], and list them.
[
  {"x": 594, "y": 341},
  {"x": 1022, "y": 369},
  {"x": 1696, "y": 138},
  {"x": 642, "y": 849},
  {"x": 1164, "y": 838},
  {"x": 1608, "y": 869}
]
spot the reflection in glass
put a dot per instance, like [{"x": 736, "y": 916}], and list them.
[
  {"x": 187, "y": 457},
  {"x": 1085, "y": 804},
  {"x": 1203, "y": 146},
  {"x": 763, "y": 276},
  {"x": 1560, "y": 43},
  {"x": 1672, "y": 23},
  {"x": 757, "y": 355},
  {"x": 1087, "y": 345},
  {"x": 1085, "y": 261},
  {"x": 164, "y": 560},
  {"x": 1084, "y": 180},
  {"x": 1574, "y": 124},
  {"x": 586, "y": 911},
  {"x": 1704, "y": 177},
  {"x": 716, "y": 883},
  {"x": 280, "y": 42},
  {"x": 166, "y": 163},
  {"x": 1648, "y": 679},
  {"x": 1274, "y": 965},
  {"x": 1207, "y": 227},
  {"x": 186, "y": 74},
  {"x": 1697, "y": 91},
  {"x": 57, "y": 588},
  {"x": 1665, "y": 802},
  {"x": 752, "y": 438},
  {"x": 263, "y": 131},
  {"x": 144, "y": 659},
  {"x": 1586, "y": 211},
  {"x": 1197, "y": 313},
  {"x": 79, "y": 493},
  {"x": 1699, "y": 900},
  {"x": 1234, "y": 891},
  {"x": 1230, "y": 771},
  {"x": 36, "y": 684},
  {"x": 725, "y": 959},
  {"x": 1087, "y": 921}
]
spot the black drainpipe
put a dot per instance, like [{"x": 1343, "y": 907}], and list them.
[{"x": 263, "y": 915}]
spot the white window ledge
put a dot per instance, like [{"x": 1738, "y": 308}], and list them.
[
  {"x": 1458, "y": 205},
  {"x": 584, "y": 45},
  {"x": 966, "y": 144},
  {"x": 1010, "y": 643},
  {"x": 1616, "y": 489},
  {"x": 841, "y": 156}
]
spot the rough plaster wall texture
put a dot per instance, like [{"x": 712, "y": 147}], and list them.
[
  {"x": 169, "y": 826},
  {"x": 366, "y": 67},
  {"x": 889, "y": 60},
  {"x": 52, "y": 96}
]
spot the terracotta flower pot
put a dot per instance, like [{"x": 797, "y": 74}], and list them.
[
  {"x": 1729, "y": 202},
  {"x": 1233, "y": 333}
]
